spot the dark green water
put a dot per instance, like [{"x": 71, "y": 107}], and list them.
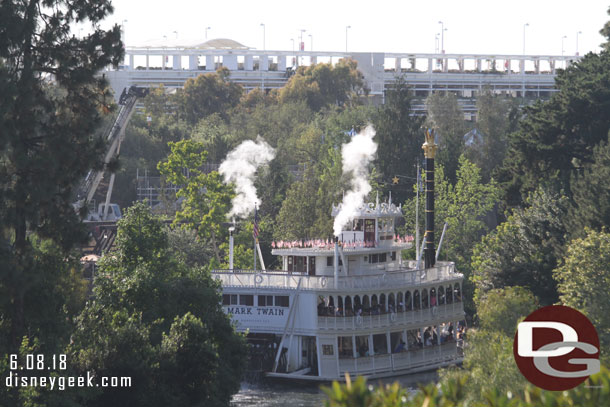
[{"x": 269, "y": 393}]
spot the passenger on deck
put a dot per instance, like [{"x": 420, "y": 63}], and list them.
[{"x": 400, "y": 347}]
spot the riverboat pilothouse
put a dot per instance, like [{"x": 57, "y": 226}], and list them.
[{"x": 353, "y": 305}]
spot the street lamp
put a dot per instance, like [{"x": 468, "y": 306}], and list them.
[
  {"x": 579, "y": 32},
  {"x": 524, "y": 25},
  {"x": 292, "y": 39},
  {"x": 263, "y": 25},
  {"x": 176, "y": 32},
  {"x": 206, "y": 32},
  {"x": 310, "y": 42},
  {"x": 442, "y": 37},
  {"x": 562, "y": 41},
  {"x": 436, "y": 39},
  {"x": 346, "y": 28}
]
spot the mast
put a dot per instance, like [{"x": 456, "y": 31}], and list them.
[{"x": 430, "y": 151}]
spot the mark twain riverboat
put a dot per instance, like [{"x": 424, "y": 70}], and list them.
[{"x": 353, "y": 306}]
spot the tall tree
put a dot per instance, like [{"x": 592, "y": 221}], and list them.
[
  {"x": 52, "y": 103},
  {"x": 399, "y": 138},
  {"x": 447, "y": 117}
]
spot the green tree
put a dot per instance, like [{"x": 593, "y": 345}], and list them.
[
  {"x": 47, "y": 131},
  {"x": 399, "y": 138},
  {"x": 159, "y": 321},
  {"x": 583, "y": 279},
  {"x": 591, "y": 194},
  {"x": 206, "y": 199},
  {"x": 207, "y": 94},
  {"x": 524, "y": 250},
  {"x": 447, "y": 117},
  {"x": 499, "y": 310},
  {"x": 558, "y": 136}
]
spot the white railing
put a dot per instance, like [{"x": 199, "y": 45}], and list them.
[
  {"x": 431, "y": 356},
  {"x": 435, "y": 314},
  {"x": 290, "y": 280}
]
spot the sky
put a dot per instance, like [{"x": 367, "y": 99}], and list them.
[{"x": 472, "y": 26}]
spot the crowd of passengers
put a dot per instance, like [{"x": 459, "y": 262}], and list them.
[{"x": 378, "y": 309}]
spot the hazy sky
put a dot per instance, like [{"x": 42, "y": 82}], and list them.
[{"x": 473, "y": 26}]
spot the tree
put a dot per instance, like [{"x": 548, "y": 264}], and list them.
[
  {"x": 207, "y": 94},
  {"x": 583, "y": 279},
  {"x": 558, "y": 136},
  {"x": 524, "y": 250},
  {"x": 206, "y": 199},
  {"x": 499, "y": 310},
  {"x": 158, "y": 321},
  {"x": 446, "y": 116},
  {"x": 591, "y": 194},
  {"x": 47, "y": 129},
  {"x": 399, "y": 138},
  {"x": 323, "y": 85}
]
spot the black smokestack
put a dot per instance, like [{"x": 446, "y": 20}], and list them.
[{"x": 429, "y": 151}]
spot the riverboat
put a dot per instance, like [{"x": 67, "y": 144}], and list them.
[{"x": 352, "y": 305}]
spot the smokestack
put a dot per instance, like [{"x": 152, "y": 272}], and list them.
[
  {"x": 429, "y": 151},
  {"x": 231, "y": 230},
  {"x": 336, "y": 274}
]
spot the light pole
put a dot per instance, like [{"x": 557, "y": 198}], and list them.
[
  {"x": 346, "y": 28},
  {"x": 577, "y": 33},
  {"x": 524, "y": 26},
  {"x": 442, "y": 37},
  {"x": 436, "y": 39},
  {"x": 263, "y": 25},
  {"x": 292, "y": 39},
  {"x": 176, "y": 32},
  {"x": 310, "y": 42},
  {"x": 206, "y": 32},
  {"x": 562, "y": 41},
  {"x": 301, "y": 45}
]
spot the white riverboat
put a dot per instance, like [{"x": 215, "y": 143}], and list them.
[{"x": 354, "y": 306}]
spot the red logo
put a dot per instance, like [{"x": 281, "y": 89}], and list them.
[{"x": 556, "y": 348}]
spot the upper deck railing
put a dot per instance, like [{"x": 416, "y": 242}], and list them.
[{"x": 289, "y": 280}]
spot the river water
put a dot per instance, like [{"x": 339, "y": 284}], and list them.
[{"x": 270, "y": 393}]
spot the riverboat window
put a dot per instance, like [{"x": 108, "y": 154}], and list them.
[
  {"x": 229, "y": 299},
  {"x": 393, "y": 256},
  {"x": 265, "y": 300},
  {"x": 282, "y": 301},
  {"x": 358, "y": 225},
  {"x": 362, "y": 345},
  {"x": 414, "y": 338},
  {"x": 380, "y": 344},
  {"x": 246, "y": 300},
  {"x": 297, "y": 263},
  {"x": 383, "y": 257},
  {"x": 327, "y": 350},
  {"x": 374, "y": 258},
  {"x": 312, "y": 266},
  {"x": 396, "y": 342},
  {"x": 408, "y": 301},
  {"x": 330, "y": 261},
  {"x": 346, "y": 348}
]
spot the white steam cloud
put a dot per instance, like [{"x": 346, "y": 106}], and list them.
[
  {"x": 356, "y": 157},
  {"x": 239, "y": 168}
]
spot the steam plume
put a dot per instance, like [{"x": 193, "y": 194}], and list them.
[
  {"x": 239, "y": 167},
  {"x": 356, "y": 156}
]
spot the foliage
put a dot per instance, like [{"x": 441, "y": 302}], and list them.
[
  {"x": 399, "y": 138},
  {"x": 499, "y": 310},
  {"x": 524, "y": 250},
  {"x": 591, "y": 194},
  {"x": 446, "y": 116},
  {"x": 158, "y": 321},
  {"x": 47, "y": 131},
  {"x": 322, "y": 85},
  {"x": 558, "y": 136},
  {"x": 207, "y": 94},
  {"x": 583, "y": 279},
  {"x": 206, "y": 199}
]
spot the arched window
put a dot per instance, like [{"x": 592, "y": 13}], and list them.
[
  {"x": 408, "y": 301},
  {"x": 424, "y": 298},
  {"x": 391, "y": 303},
  {"x": 366, "y": 305},
  {"x": 441, "y": 295},
  {"x": 340, "y": 310},
  {"x": 400, "y": 303},
  {"x": 331, "y": 301},
  {"x": 433, "y": 300},
  {"x": 457, "y": 294},
  {"x": 349, "y": 309},
  {"x": 449, "y": 294},
  {"x": 357, "y": 305},
  {"x": 382, "y": 305},
  {"x": 416, "y": 303}
]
